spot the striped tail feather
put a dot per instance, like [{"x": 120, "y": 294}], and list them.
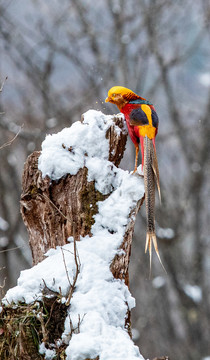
[
  {"x": 156, "y": 171},
  {"x": 151, "y": 175},
  {"x": 152, "y": 240}
]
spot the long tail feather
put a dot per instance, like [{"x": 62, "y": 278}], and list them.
[
  {"x": 156, "y": 170},
  {"x": 151, "y": 175},
  {"x": 152, "y": 240}
]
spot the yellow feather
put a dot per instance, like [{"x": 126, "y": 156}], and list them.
[
  {"x": 147, "y": 110},
  {"x": 147, "y": 130},
  {"x": 119, "y": 90}
]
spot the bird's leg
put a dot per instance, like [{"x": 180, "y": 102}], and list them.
[
  {"x": 142, "y": 152},
  {"x": 136, "y": 159}
]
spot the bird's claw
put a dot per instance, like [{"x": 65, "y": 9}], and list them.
[{"x": 137, "y": 173}]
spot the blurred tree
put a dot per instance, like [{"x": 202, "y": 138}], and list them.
[{"x": 61, "y": 60}]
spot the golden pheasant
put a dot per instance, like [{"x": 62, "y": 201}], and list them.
[{"x": 142, "y": 122}]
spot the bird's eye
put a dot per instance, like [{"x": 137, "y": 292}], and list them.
[{"x": 113, "y": 95}]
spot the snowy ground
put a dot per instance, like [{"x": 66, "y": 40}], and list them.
[{"x": 99, "y": 301}]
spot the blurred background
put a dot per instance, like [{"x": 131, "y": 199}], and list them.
[{"x": 61, "y": 58}]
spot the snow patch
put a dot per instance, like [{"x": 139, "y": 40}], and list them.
[
  {"x": 49, "y": 354},
  {"x": 67, "y": 151}
]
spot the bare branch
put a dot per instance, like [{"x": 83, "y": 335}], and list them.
[
  {"x": 2, "y": 85},
  {"x": 64, "y": 261},
  {"x": 11, "y": 249},
  {"x": 8, "y": 143},
  {"x": 76, "y": 257}
]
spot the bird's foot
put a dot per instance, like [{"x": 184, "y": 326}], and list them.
[{"x": 135, "y": 171}]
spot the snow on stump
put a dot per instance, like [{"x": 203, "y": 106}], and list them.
[{"x": 79, "y": 209}]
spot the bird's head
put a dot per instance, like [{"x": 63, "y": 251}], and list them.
[{"x": 120, "y": 96}]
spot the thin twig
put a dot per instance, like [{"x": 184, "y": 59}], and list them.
[
  {"x": 64, "y": 261},
  {"x": 1, "y": 88},
  {"x": 76, "y": 257},
  {"x": 8, "y": 143},
  {"x": 50, "y": 314},
  {"x": 71, "y": 327},
  {"x": 43, "y": 327},
  {"x": 68, "y": 251},
  {"x": 4, "y": 282},
  {"x": 52, "y": 203},
  {"x": 75, "y": 330},
  {"x": 79, "y": 322},
  {"x": 15, "y": 248}
]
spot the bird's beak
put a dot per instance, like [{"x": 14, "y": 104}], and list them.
[{"x": 107, "y": 99}]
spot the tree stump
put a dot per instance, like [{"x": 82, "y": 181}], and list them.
[
  {"x": 46, "y": 205},
  {"x": 76, "y": 205}
]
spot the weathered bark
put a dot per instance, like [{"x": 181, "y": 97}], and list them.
[
  {"x": 119, "y": 266},
  {"x": 50, "y": 209},
  {"x": 44, "y": 203}
]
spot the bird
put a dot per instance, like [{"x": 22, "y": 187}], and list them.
[{"x": 142, "y": 123}]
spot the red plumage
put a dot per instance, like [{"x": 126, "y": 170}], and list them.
[{"x": 133, "y": 130}]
